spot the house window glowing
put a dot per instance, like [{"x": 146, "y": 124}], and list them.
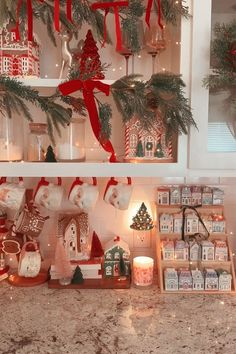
[
  {"x": 24, "y": 65},
  {"x": 6, "y": 64}
]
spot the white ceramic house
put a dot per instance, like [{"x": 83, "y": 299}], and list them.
[
  {"x": 225, "y": 281},
  {"x": 163, "y": 196},
  {"x": 178, "y": 222},
  {"x": 175, "y": 195},
  {"x": 186, "y": 195},
  {"x": 196, "y": 195},
  {"x": 218, "y": 196},
  {"x": 218, "y": 224},
  {"x": 171, "y": 279},
  {"x": 194, "y": 251},
  {"x": 168, "y": 250},
  {"x": 191, "y": 223},
  {"x": 166, "y": 223},
  {"x": 181, "y": 250},
  {"x": 185, "y": 280},
  {"x": 207, "y": 219},
  {"x": 206, "y": 195},
  {"x": 211, "y": 280},
  {"x": 208, "y": 251},
  {"x": 221, "y": 250},
  {"x": 198, "y": 280}
]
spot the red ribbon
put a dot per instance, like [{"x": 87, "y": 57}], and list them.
[
  {"x": 57, "y": 13},
  {"x": 87, "y": 88},
  {"x": 115, "y": 6},
  {"x": 148, "y": 13}
]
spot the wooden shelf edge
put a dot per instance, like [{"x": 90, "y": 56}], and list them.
[{"x": 109, "y": 283}]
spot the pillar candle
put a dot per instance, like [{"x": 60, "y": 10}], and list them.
[{"x": 143, "y": 271}]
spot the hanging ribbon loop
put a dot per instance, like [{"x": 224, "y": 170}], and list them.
[
  {"x": 148, "y": 13},
  {"x": 87, "y": 88},
  {"x": 106, "y": 6}
]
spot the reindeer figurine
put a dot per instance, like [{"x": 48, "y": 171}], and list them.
[{"x": 65, "y": 51}]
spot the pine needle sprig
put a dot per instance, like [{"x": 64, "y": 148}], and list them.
[
  {"x": 105, "y": 114},
  {"x": 173, "y": 10}
]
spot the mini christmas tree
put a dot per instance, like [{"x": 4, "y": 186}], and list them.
[
  {"x": 96, "y": 248},
  {"x": 142, "y": 221},
  {"x": 50, "y": 156},
  {"x": 139, "y": 150},
  {"x": 159, "y": 152},
  {"x": 90, "y": 59},
  {"x": 77, "y": 277}
]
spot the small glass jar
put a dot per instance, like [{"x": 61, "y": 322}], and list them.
[
  {"x": 70, "y": 146},
  {"x": 11, "y": 139},
  {"x": 38, "y": 142}
]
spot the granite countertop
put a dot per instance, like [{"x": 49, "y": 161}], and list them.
[{"x": 40, "y": 320}]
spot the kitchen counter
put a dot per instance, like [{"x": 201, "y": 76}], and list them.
[{"x": 40, "y": 320}]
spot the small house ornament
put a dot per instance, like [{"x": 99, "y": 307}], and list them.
[
  {"x": 191, "y": 223},
  {"x": 186, "y": 195},
  {"x": 194, "y": 251},
  {"x": 178, "y": 222},
  {"x": 198, "y": 280},
  {"x": 225, "y": 280},
  {"x": 217, "y": 196},
  {"x": 168, "y": 250},
  {"x": 208, "y": 251},
  {"x": 221, "y": 251},
  {"x": 218, "y": 224},
  {"x": 166, "y": 223},
  {"x": 116, "y": 258},
  {"x": 185, "y": 280},
  {"x": 175, "y": 195},
  {"x": 206, "y": 195},
  {"x": 163, "y": 196},
  {"x": 196, "y": 195},
  {"x": 181, "y": 250},
  {"x": 171, "y": 279},
  {"x": 18, "y": 58},
  {"x": 211, "y": 280},
  {"x": 207, "y": 220}
]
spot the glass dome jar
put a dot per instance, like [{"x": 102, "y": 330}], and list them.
[
  {"x": 38, "y": 142},
  {"x": 11, "y": 139},
  {"x": 71, "y": 146}
]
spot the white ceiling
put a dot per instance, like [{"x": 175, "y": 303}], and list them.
[{"x": 224, "y": 6}]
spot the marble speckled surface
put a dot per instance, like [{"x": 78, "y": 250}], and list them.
[{"x": 39, "y": 320}]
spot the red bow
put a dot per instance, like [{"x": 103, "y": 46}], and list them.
[
  {"x": 148, "y": 13},
  {"x": 106, "y": 7},
  {"x": 87, "y": 87}
]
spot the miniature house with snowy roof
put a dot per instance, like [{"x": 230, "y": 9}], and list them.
[
  {"x": 171, "y": 279},
  {"x": 116, "y": 252},
  {"x": 146, "y": 145},
  {"x": 74, "y": 230}
]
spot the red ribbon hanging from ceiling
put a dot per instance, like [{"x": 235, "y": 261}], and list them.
[
  {"x": 106, "y": 6},
  {"x": 87, "y": 88},
  {"x": 148, "y": 13}
]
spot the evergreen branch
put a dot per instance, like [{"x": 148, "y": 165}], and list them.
[{"x": 105, "y": 114}]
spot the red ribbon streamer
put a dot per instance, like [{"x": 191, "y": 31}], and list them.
[
  {"x": 57, "y": 13},
  {"x": 69, "y": 10},
  {"x": 115, "y": 6},
  {"x": 87, "y": 88},
  {"x": 148, "y": 13}
]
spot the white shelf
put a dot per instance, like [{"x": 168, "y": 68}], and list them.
[{"x": 35, "y": 82}]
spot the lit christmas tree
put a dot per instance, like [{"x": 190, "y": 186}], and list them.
[
  {"x": 159, "y": 152},
  {"x": 139, "y": 150},
  {"x": 142, "y": 221}
]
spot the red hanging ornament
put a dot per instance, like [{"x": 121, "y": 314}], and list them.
[
  {"x": 148, "y": 13},
  {"x": 96, "y": 248},
  {"x": 106, "y": 6}
]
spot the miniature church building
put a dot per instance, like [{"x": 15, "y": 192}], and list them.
[
  {"x": 74, "y": 230},
  {"x": 146, "y": 145},
  {"x": 18, "y": 58},
  {"x": 171, "y": 279},
  {"x": 115, "y": 252},
  {"x": 198, "y": 280}
]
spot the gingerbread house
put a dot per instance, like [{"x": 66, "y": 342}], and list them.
[
  {"x": 147, "y": 144},
  {"x": 18, "y": 58},
  {"x": 74, "y": 230}
]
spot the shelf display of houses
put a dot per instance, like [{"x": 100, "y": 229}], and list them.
[
  {"x": 74, "y": 230},
  {"x": 178, "y": 222},
  {"x": 206, "y": 195},
  {"x": 171, "y": 279},
  {"x": 191, "y": 223},
  {"x": 198, "y": 280},
  {"x": 218, "y": 224},
  {"x": 185, "y": 280},
  {"x": 116, "y": 253},
  {"x": 18, "y": 58},
  {"x": 146, "y": 145},
  {"x": 186, "y": 195},
  {"x": 208, "y": 251},
  {"x": 194, "y": 251},
  {"x": 163, "y": 196},
  {"x": 181, "y": 250},
  {"x": 166, "y": 223},
  {"x": 225, "y": 280},
  {"x": 168, "y": 250},
  {"x": 221, "y": 250},
  {"x": 217, "y": 196},
  {"x": 211, "y": 280},
  {"x": 175, "y": 195},
  {"x": 196, "y": 195}
]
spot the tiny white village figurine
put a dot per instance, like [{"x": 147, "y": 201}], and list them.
[
  {"x": 191, "y": 223},
  {"x": 208, "y": 251},
  {"x": 186, "y": 195},
  {"x": 181, "y": 250},
  {"x": 163, "y": 196},
  {"x": 196, "y": 195},
  {"x": 175, "y": 195},
  {"x": 185, "y": 280},
  {"x": 168, "y": 250},
  {"x": 221, "y": 250},
  {"x": 178, "y": 222},
  {"x": 206, "y": 195},
  {"x": 225, "y": 280},
  {"x": 198, "y": 280},
  {"x": 171, "y": 279},
  {"x": 116, "y": 251},
  {"x": 211, "y": 280},
  {"x": 166, "y": 223},
  {"x": 218, "y": 196},
  {"x": 218, "y": 224},
  {"x": 194, "y": 251},
  {"x": 207, "y": 220}
]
